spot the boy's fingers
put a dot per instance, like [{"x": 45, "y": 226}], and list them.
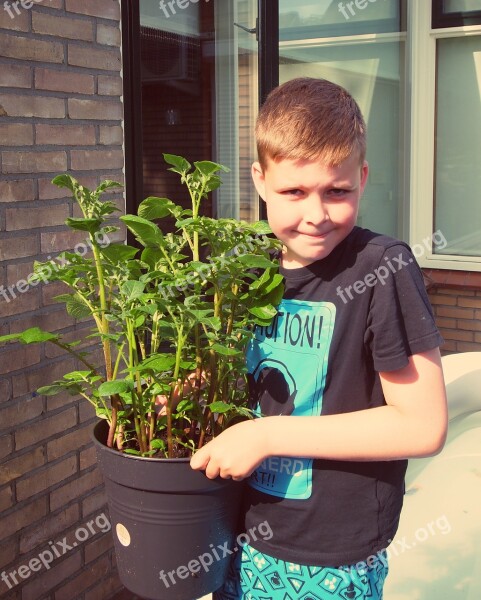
[{"x": 200, "y": 460}]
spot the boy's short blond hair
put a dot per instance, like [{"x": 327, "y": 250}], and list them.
[{"x": 310, "y": 119}]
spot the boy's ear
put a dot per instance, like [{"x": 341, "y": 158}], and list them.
[
  {"x": 364, "y": 175},
  {"x": 259, "y": 179}
]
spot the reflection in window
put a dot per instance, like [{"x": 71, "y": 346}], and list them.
[{"x": 458, "y": 145}]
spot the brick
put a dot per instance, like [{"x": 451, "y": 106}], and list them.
[
  {"x": 84, "y": 580},
  {"x": 105, "y": 9},
  {"x": 449, "y": 346},
  {"x": 45, "y": 581},
  {"x": 23, "y": 218},
  {"x": 95, "y": 502},
  {"x": 6, "y": 498},
  {"x": 477, "y": 314},
  {"x": 17, "y": 191},
  {"x": 13, "y": 20},
  {"x": 108, "y": 36},
  {"x": 16, "y": 134},
  {"x": 8, "y": 552},
  {"x": 85, "y": 160},
  {"x": 468, "y": 347},
  {"x": 88, "y": 457},
  {"x": 477, "y": 338},
  {"x": 109, "y": 85},
  {"x": 97, "y": 547},
  {"x": 51, "y": 290},
  {"x": 30, "y": 381},
  {"x": 46, "y": 478},
  {"x": 10, "y": 306},
  {"x": 22, "y": 517},
  {"x": 48, "y": 191},
  {"x": 65, "y": 135},
  {"x": 446, "y": 323},
  {"x": 86, "y": 411},
  {"x": 463, "y": 336},
  {"x": 5, "y": 396},
  {"x": 469, "y": 325},
  {"x": 18, "y": 247},
  {"x": 19, "y": 413},
  {"x": 20, "y": 465},
  {"x": 6, "y": 445},
  {"x": 455, "y": 313},
  {"x": 58, "y": 241},
  {"x": 75, "y": 489},
  {"x": 105, "y": 589},
  {"x": 110, "y": 135},
  {"x": 470, "y": 302},
  {"x": 44, "y": 107},
  {"x": 64, "y": 81},
  {"x": 46, "y": 428},
  {"x": 17, "y": 272},
  {"x": 24, "y": 48},
  {"x": 53, "y": 320},
  {"x": 14, "y": 359},
  {"x": 444, "y": 300},
  {"x": 69, "y": 442},
  {"x": 51, "y": 527},
  {"x": 34, "y": 162},
  {"x": 94, "y": 110},
  {"x": 64, "y": 27},
  {"x": 90, "y": 58},
  {"x": 16, "y": 76},
  {"x": 457, "y": 292}
]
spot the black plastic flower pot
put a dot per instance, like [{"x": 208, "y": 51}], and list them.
[{"x": 174, "y": 529}]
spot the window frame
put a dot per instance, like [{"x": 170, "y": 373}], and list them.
[
  {"x": 423, "y": 70},
  {"x": 441, "y": 20}
]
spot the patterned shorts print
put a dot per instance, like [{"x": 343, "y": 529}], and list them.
[{"x": 257, "y": 576}]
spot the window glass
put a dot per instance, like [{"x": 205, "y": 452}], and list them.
[
  {"x": 458, "y": 146},
  {"x": 324, "y": 18},
  {"x": 372, "y": 69},
  {"x": 461, "y": 6}
]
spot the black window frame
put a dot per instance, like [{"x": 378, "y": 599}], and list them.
[{"x": 442, "y": 20}]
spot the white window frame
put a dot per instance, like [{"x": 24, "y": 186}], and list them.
[{"x": 422, "y": 40}]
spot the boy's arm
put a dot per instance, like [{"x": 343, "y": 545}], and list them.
[{"x": 413, "y": 423}]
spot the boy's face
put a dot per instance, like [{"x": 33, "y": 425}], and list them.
[{"x": 311, "y": 207}]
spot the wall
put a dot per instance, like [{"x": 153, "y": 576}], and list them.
[
  {"x": 456, "y": 300},
  {"x": 60, "y": 110}
]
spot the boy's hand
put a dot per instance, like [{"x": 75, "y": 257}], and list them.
[{"x": 235, "y": 453}]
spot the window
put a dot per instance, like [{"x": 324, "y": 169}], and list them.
[{"x": 446, "y": 129}]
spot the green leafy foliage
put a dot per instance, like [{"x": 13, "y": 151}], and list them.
[{"x": 171, "y": 317}]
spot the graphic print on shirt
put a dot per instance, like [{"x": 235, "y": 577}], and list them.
[{"x": 287, "y": 366}]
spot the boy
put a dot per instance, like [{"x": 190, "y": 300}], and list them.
[{"x": 351, "y": 382}]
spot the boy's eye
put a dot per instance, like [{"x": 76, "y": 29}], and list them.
[
  {"x": 293, "y": 192},
  {"x": 337, "y": 192}
]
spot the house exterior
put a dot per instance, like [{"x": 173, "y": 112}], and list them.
[{"x": 100, "y": 88}]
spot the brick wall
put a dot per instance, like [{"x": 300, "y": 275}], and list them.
[
  {"x": 456, "y": 300},
  {"x": 60, "y": 110}
]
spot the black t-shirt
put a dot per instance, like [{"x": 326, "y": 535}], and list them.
[{"x": 361, "y": 310}]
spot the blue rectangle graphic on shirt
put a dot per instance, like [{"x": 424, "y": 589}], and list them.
[{"x": 287, "y": 364}]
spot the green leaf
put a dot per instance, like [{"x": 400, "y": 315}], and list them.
[
  {"x": 263, "y": 312},
  {"x": 119, "y": 253},
  {"x": 158, "y": 363},
  {"x": 66, "y": 181},
  {"x": 34, "y": 335},
  {"x": 253, "y": 261},
  {"x": 131, "y": 290},
  {"x": 106, "y": 185},
  {"x": 75, "y": 306},
  {"x": 117, "y": 386},
  {"x": 147, "y": 233},
  {"x": 208, "y": 168},
  {"x": 158, "y": 444},
  {"x": 80, "y": 224},
  {"x": 180, "y": 164},
  {"x": 156, "y": 208},
  {"x": 225, "y": 350},
  {"x": 219, "y": 407}
]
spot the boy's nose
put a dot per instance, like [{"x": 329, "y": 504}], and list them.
[{"x": 316, "y": 212}]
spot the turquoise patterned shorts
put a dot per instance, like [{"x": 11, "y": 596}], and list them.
[{"x": 256, "y": 576}]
